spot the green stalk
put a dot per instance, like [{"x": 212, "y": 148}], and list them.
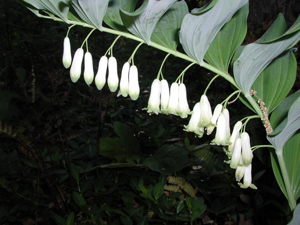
[{"x": 286, "y": 179}]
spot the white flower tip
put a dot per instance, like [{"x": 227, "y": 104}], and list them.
[{"x": 75, "y": 70}]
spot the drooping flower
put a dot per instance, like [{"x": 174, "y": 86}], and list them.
[
  {"x": 237, "y": 154},
  {"x": 239, "y": 173},
  {"x": 75, "y": 70},
  {"x": 173, "y": 100},
  {"x": 154, "y": 99},
  {"x": 67, "y": 57},
  {"x": 221, "y": 133},
  {"x": 113, "y": 79},
  {"x": 227, "y": 117},
  {"x": 206, "y": 113},
  {"x": 88, "y": 73},
  {"x": 247, "y": 181},
  {"x": 134, "y": 88},
  {"x": 234, "y": 136},
  {"x": 247, "y": 154},
  {"x": 183, "y": 109},
  {"x": 194, "y": 121},
  {"x": 100, "y": 78},
  {"x": 124, "y": 80},
  {"x": 214, "y": 118},
  {"x": 165, "y": 95}
]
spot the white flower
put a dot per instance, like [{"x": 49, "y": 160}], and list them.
[
  {"x": 154, "y": 99},
  {"x": 206, "y": 113},
  {"x": 239, "y": 173},
  {"x": 75, "y": 70},
  {"x": 237, "y": 154},
  {"x": 234, "y": 136},
  {"x": 113, "y": 79},
  {"x": 134, "y": 88},
  {"x": 214, "y": 118},
  {"x": 124, "y": 80},
  {"x": 194, "y": 121},
  {"x": 100, "y": 78},
  {"x": 88, "y": 73},
  {"x": 67, "y": 57},
  {"x": 227, "y": 117},
  {"x": 165, "y": 95},
  {"x": 173, "y": 100},
  {"x": 221, "y": 133},
  {"x": 183, "y": 107},
  {"x": 247, "y": 181},
  {"x": 247, "y": 154}
]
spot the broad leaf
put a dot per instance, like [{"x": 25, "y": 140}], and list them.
[
  {"x": 276, "y": 81},
  {"x": 91, "y": 11},
  {"x": 198, "y": 11},
  {"x": 290, "y": 125},
  {"x": 296, "y": 216},
  {"x": 113, "y": 18},
  {"x": 198, "y": 31},
  {"x": 143, "y": 21},
  {"x": 220, "y": 54},
  {"x": 166, "y": 32}
]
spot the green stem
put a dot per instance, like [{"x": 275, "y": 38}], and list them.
[
  {"x": 161, "y": 66},
  {"x": 183, "y": 72},
  {"x": 261, "y": 146},
  {"x": 286, "y": 179},
  {"x": 133, "y": 53},
  {"x": 210, "y": 82},
  {"x": 85, "y": 40},
  {"x": 111, "y": 47},
  {"x": 255, "y": 106}
]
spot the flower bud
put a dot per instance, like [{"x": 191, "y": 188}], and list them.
[
  {"x": 154, "y": 99},
  {"x": 67, "y": 58},
  {"x": 247, "y": 154},
  {"x": 100, "y": 78},
  {"x": 124, "y": 80},
  {"x": 234, "y": 136},
  {"x": 88, "y": 73},
  {"x": 239, "y": 173},
  {"x": 247, "y": 181},
  {"x": 227, "y": 117},
  {"x": 75, "y": 70},
  {"x": 183, "y": 106},
  {"x": 221, "y": 133},
  {"x": 165, "y": 95},
  {"x": 113, "y": 79},
  {"x": 214, "y": 118},
  {"x": 194, "y": 121},
  {"x": 134, "y": 88},
  {"x": 206, "y": 113},
  {"x": 236, "y": 155},
  {"x": 173, "y": 100}
]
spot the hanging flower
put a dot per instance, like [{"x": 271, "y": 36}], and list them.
[
  {"x": 247, "y": 154},
  {"x": 183, "y": 106},
  {"x": 88, "y": 73},
  {"x": 113, "y": 79},
  {"x": 75, "y": 70},
  {"x": 100, "y": 78},
  {"x": 206, "y": 113},
  {"x": 239, "y": 173},
  {"x": 234, "y": 136},
  {"x": 67, "y": 57},
  {"x": 154, "y": 99},
  {"x": 214, "y": 118},
  {"x": 134, "y": 88},
  {"x": 165, "y": 95},
  {"x": 227, "y": 117},
  {"x": 194, "y": 121},
  {"x": 247, "y": 181},
  {"x": 124, "y": 80},
  {"x": 237, "y": 154},
  {"x": 221, "y": 133},
  {"x": 173, "y": 100}
]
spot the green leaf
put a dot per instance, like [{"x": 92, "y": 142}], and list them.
[
  {"x": 70, "y": 220},
  {"x": 256, "y": 57},
  {"x": 168, "y": 159},
  {"x": 198, "y": 11},
  {"x": 220, "y": 54},
  {"x": 158, "y": 190},
  {"x": 296, "y": 216},
  {"x": 58, "y": 219},
  {"x": 79, "y": 200},
  {"x": 91, "y": 11},
  {"x": 198, "y": 208},
  {"x": 112, "y": 148},
  {"x": 167, "y": 28},
  {"x": 276, "y": 81},
  {"x": 198, "y": 31},
  {"x": 291, "y": 125},
  {"x": 143, "y": 21},
  {"x": 113, "y": 18}
]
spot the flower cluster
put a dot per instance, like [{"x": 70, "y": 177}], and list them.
[
  {"x": 168, "y": 101},
  {"x": 129, "y": 84}
]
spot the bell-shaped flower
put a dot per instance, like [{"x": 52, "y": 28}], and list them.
[
  {"x": 183, "y": 109},
  {"x": 247, "y": 154},
  {"x": 88, "y": 73},
  {"x": 206, "y": 113},
  {"x": 214, "y": 118},
  {"x": 234, "y": 136},
  {"x": 227, "y": 117},
  {"x": 113, "y": 79},
  {"x": 100, "y": 78},
  {"x": 124, "y": 80},
  {"x": 173, "y": 100},
  {"x": 221, "y": 133},
  {"x": 239, "y": 173},
  {"x": 237, "y": 154},
  {"x": 67, "y": 57},
  {"x": 154, "y": 99},
  {"x": 247, "y": 181},
  {"x": 165, "y": 95},
  {"x": 194, "y": 121},
  {"x": 75, "y": 70},
  {"x": 134, "y": 88}
]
